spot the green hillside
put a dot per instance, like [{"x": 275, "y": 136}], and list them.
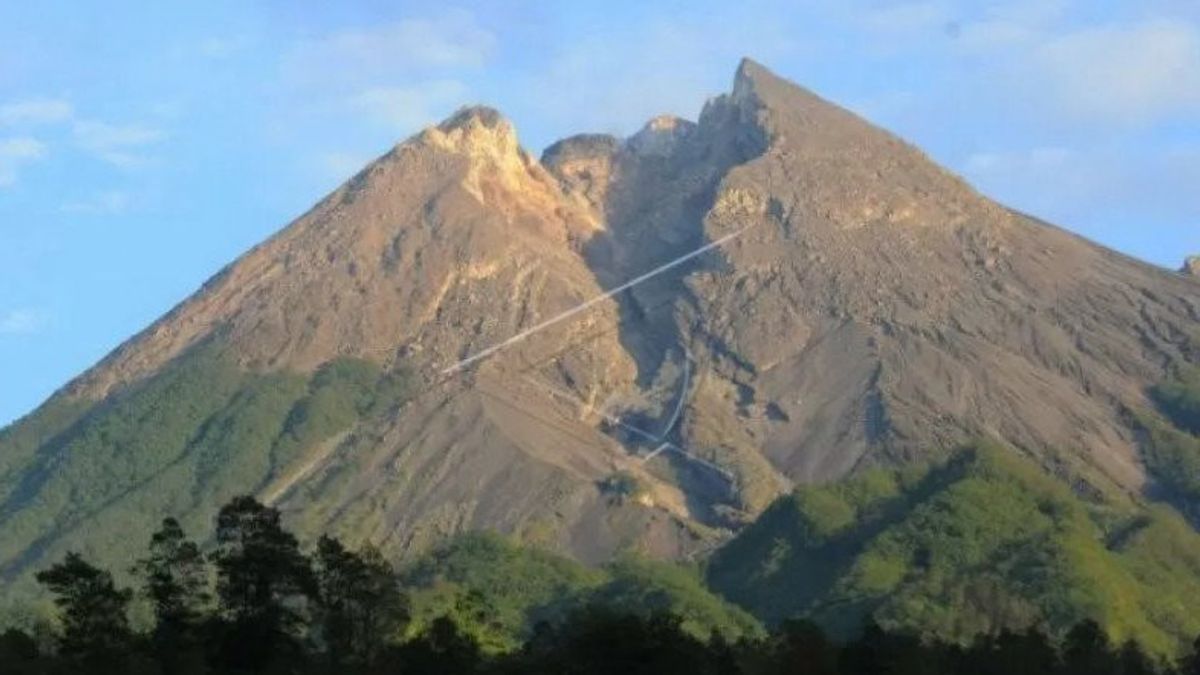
[
  {"x": 497, "y": 591},
  {"x": 182, "y": 443},
  {"x": 983, "y": 542}
]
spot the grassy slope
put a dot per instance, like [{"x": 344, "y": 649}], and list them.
[
  {"x": 982, "y": 542},
  {"x": 181, "y": 443}
]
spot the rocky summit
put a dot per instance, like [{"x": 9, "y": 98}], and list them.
[{"x": 862, "y": 307}]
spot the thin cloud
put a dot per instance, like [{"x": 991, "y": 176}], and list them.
[
  {"x": 16, "y": 153},
  {"x": 380, "y": 54},
  {"x": 406, "y": 109},
  {"x": 36, "y": 111},
  {"x": 120, "y": 145},
  {"x": 21, "y": 322},
  {"x": 218, "y": 48},
  {"x": 1129, "y": 74},
  {"x": 102, "y": 203},
  {"x": 1072, "y": 184}
]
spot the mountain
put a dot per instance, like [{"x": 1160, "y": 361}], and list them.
[
  {"x": 1191, "y": 266},
  {"x": 404, "y": 362}
]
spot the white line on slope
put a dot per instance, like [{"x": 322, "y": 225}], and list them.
[
  {"x": 666, "y": 445},
  {"x": 588, "y": 303},
  {"x": 687, "y": 368},
  {"x": 607, "y": 417},
  {"x": 657, "y": 450}
]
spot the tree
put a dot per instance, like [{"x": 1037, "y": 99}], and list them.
[
  {"x": 1190, "y": 664},
  {"x": 441, "y": 650},
  {"x": 174, "y": 580},
  {"x": 1086, "y": 650},
  {"x": 92, "y": 610},
  {"x": 263, "y": 582},
  {"x": 360, "y": 602},
  {"x": 801, "y": 647}
]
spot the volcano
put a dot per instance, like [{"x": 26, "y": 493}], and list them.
[{"x": 436, "y": 346}]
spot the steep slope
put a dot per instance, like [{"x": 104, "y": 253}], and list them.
[
  {"x": 453, "y": 241},
  {"x": 878, "y": 309},
  {"x": 865, "y": 307}
]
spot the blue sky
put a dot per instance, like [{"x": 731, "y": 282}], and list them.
[{"x": 144, "y": 145}]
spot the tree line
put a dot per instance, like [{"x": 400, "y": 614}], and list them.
[{"x": 257, "y": 603}]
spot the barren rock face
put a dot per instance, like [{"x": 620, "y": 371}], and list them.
[
  {"x": 1191, "y": 266},
  {"x": 871, "y": 308}
]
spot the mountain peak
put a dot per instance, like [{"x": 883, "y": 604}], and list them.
[
  {"x": 660, "y": 135},
  {"x": 474, "y": 115},
  {"x": 477, "y": 132},
  {"x": 749, "y": 74},
  {"x": 1191, "y": 266}
]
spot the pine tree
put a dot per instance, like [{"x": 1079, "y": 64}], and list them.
[
  {"x": 1086, "y": 650},
  {"x": 92, "y": 610},
  {"x": 174, "y": 579},
  {"x": 263, "y": 583},
  {"x": 360, "y": 601}
]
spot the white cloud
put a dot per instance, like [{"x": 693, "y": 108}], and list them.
[
  {"x": 615, "y": 82},
  {"x": 15, "y": 153},
  {"x": 1119, "y": 74},
  {"x": 381, "y": 53},
  {"x": 406, "y": 109},
  {"x": 120, "y": 145},
  {"x": 21, "y": 322},
  {"x": 1123, "y": 73},
  {"x": 1154, "y": 184},
  {"x": 105, "y": 202},
  {"x": 35, "y": 111}
]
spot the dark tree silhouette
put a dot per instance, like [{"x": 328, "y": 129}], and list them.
[
  {"x": 879, "y": 652},
  {"x": 1027, "y": 653},
  {"x": 1086, "y": 651},
  {"x": 174, "y": 579},
  {"x": 360, "y": 602},
  {"x": 801, "y": 647},
  {"x": 263, "y": 582},
  {"x": 92, "y": 610},
  {"x": 600, "y": 641},
  {"x": 1131, "y": 660},
  {"x": 441, "y": 650},
  {"x": 1190, "y": 663},
  {"x": 17, "y": 648}
]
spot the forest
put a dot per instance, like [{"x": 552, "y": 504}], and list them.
[{"x": 256, "y": 602}]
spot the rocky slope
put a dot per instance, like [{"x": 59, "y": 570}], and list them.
[{"x": 871, "y": 308}]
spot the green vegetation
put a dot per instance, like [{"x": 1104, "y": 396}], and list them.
[
  {"x": 646, "y": 587},
  {"x": 259, "y": 604},
  {"x": 1171, "y": 455},
  {"x": 983, "y": 543},
  {"x": 1170, "y": 448},
  {"x": 182, "y": 442},
  {"x": 1179, "y": 398},
  {"x": 497, "y": 592}
]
